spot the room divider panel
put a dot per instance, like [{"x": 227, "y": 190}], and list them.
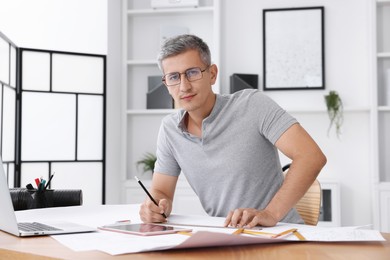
[
  {"x": 8, "y": 82},
  {"x": 58, "y": 102}
]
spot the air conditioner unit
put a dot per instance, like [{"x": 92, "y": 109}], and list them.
[{"x": 174, "y": 3}]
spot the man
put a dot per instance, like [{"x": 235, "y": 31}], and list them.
[{"x": 227, "y": 146}]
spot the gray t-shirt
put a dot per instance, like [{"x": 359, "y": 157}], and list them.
[{"x": 235, "y": 164}]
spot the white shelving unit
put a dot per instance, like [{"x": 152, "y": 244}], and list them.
[
  {"x": 141, "y": 40},
  {"x": 381, "y": 112}
]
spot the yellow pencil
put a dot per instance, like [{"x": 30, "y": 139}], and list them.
[
  {"x": 285, "y": 232},
  {"x": 238, "y": 231}
]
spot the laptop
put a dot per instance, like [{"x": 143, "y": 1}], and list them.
[{"x": 9, "y": 224}]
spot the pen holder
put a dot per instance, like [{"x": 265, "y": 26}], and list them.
[
  {"x": 23, "y": 198},
  {"x": 40, "y": 199}
]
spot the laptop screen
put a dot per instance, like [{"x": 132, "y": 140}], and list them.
[{"x": 8, "y": 220}]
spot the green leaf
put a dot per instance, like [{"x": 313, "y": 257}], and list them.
[
  {"x": 148, "y": 162},
  {"x": 335, "y": 109}
]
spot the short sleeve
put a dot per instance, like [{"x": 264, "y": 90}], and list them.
[
  {"x": 273, "y": 120},
  {"x": 166, "y": 162}
]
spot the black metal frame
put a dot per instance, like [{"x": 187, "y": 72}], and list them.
[
  {"x": 3, "y": 85},
  {"x": 18, "y": 116},
  {"x": 265, "y": 87}
]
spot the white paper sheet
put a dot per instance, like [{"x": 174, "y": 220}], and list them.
[
  {"x": 212, "y": 235},
  {"x": 114, "y": 244},
  {"x": 196, "y": 220}
]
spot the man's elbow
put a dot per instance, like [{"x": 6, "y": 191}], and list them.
[{"x": 321, "y": 160}]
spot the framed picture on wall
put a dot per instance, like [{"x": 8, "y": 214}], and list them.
[{"x": 293, "y": 48}]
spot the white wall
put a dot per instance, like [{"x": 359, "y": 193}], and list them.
[
  {"x": 63, "y": 25},
  {"x": 347, "y": 71},
  {"x": 81, "y": 26},
  {"x": 75, "y": 26}
]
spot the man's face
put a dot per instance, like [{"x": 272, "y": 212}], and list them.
[{"x": 194, "y": 95}]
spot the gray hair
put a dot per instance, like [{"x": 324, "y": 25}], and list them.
[{"x": 179, "y": 44}]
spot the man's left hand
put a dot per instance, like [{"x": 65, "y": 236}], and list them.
[{"x": 249, "y": 218}]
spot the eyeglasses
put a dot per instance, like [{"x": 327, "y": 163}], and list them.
[{"x": 174, "y": 78}]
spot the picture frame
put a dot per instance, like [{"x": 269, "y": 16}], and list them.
[{"x": 293, "y": 48}]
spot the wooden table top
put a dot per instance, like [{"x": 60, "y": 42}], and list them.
[{"x": 12, "y": 247}]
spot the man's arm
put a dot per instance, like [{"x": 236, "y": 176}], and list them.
[
  {"x": 162, "y": 190},
  {"x": 307, "y": 162}
]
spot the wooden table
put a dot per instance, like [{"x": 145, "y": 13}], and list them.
[{"x": 12, "y": 247}]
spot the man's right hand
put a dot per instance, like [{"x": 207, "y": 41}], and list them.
[
  {"x": 162, "y": 189},
  {"x": 150, "y": 213}
]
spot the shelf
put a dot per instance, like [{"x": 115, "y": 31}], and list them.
[
  {"x": 141, "y": 62},
  {"x": 305, "y": 111},
  {"x": 149, "y": 111},
  {"x": 383, "y": 55},
  {"x": 147, "y": 181},
  {"x": 384, "y": 108},
  {"x": 323, "y": 110},
  {"x": 141, "y": 12}
]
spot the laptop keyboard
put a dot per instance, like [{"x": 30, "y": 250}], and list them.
[{"x": 35, "y": 226}]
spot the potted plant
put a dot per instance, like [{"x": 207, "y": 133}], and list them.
[
  {"x": 147, "y": 162},
  {"x": 334, "y": 107}
]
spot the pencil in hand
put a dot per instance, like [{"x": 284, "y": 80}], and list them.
[{"x": 149, "y": 195}]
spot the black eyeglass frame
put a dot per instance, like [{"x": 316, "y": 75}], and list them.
[{"x": 184, "y": 73}]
